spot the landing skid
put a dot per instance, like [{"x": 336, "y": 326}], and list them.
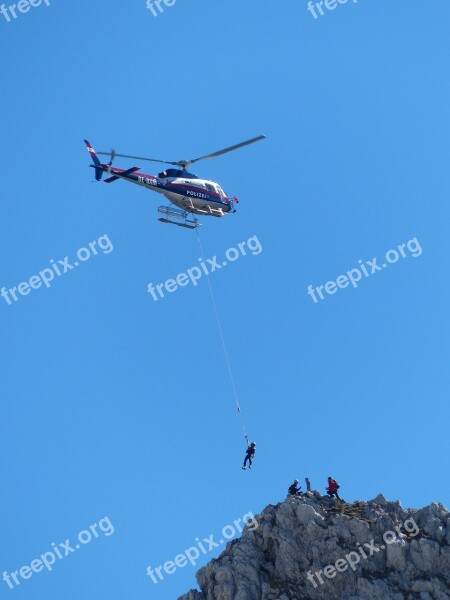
[
  {"x": 177, "y": 213},
  {"x": 188, "y": 224},
  {"x": 211, "y": 212}
]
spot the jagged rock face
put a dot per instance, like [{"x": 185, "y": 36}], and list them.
[{"x": 314, "y": 548}]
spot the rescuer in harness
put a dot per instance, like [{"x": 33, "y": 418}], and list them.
[
  {"x": 332, "y": 489},
  {"x": 250, "y": 454}
]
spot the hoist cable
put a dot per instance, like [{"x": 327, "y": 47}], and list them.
[{"x": 222, "y": 338}]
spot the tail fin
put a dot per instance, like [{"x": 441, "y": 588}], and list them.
[{"x": 97, "y": 163}]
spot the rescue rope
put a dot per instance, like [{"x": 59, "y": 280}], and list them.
[{"x": 222, "y": 338}]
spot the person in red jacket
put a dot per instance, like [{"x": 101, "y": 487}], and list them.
[{"x": 332, "y": 489}]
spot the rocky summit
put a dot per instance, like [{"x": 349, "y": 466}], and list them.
[{"x": 316, "y": 548}]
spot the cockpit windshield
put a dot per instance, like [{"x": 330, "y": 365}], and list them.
[{"x": 214, "y": 187}]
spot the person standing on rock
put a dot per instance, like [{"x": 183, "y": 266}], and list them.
[
  {"x": 250, "y": 454},
  {"x": 332, "y": 489},
  {"x": 294, "y": 489}
]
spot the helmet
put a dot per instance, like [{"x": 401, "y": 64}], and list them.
[
  {"x": 295, "y": 480},
  {"x": 253, "y": 444}
]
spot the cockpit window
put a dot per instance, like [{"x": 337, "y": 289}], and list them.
[{"x": 210, "y": 187}]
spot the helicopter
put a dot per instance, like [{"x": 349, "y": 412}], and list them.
[{"x": 187, "y": 193}]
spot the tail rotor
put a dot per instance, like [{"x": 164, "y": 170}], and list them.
[{"x": 111, "y": 160}]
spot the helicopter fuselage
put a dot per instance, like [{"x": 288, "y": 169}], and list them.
[{"x": 185, "y": 190}]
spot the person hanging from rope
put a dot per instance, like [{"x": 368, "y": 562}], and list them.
[
  {"x": 332, "y": 489},
  {"x": 250, "y": 454}
]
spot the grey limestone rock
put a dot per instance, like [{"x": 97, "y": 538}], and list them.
[{"x": 315, "y": 548}]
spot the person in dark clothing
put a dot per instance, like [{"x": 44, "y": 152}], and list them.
[
  {"x": 332, "y": 489},
  {"x": 295, "y": 489},
  {"x": 250, "y": 454}
]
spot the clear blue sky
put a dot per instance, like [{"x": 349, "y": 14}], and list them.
[{"x": 114, "y": 405}]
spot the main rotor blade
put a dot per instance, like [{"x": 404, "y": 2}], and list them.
[
  {"x": 230, "y": 149},
  {"x": 167, "y": 162},
  {"x": 184, "y": 163}
]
